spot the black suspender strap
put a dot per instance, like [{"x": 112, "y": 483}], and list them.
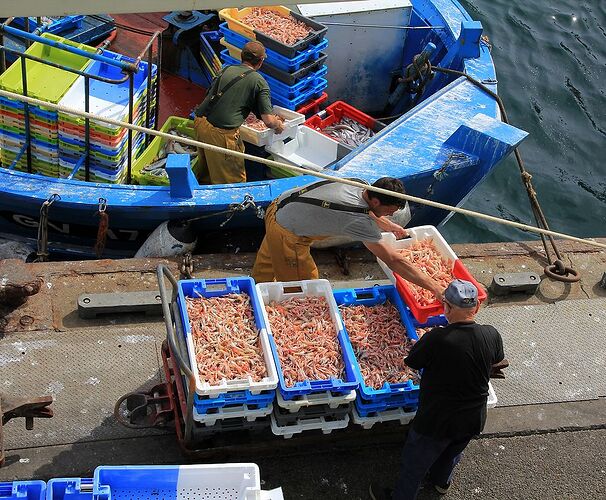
[
  {"x": 216, "y": 97},
  {"x": 296, "y": 197}
]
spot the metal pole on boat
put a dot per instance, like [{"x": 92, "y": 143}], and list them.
[
  {"x": 384, "y": 26},
  {"x": 157, "y": 114},
  {"x": 26, "y": 113},
  {"x": 87, "y": 129},
  {"x": 27, "y": 42},
  {"x": 131, "y": 90},
  {"x": 148, "y": 98}
]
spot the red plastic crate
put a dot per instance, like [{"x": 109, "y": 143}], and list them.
[
  {"x": 422, "y": 313},
  {"x": 312, "y": 106},
  {"x": 336, "y": 112}
]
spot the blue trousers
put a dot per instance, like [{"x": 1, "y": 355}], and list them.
[{"x": 424, "y": 454}]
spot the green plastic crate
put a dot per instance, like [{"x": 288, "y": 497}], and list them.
[
  {"x": 280, "y": 173},
  {"x": 46, "y": 82},
  {"x": 184, "y": 126}
]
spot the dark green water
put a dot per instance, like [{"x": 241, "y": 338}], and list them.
[{"x": 551, "y": 67}]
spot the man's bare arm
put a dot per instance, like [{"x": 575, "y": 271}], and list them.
[{"x": 400, "y": 265}]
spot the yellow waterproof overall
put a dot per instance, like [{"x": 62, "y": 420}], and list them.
[
  {"x": 283, "y": 255},
  {"x": 214, "y": 167}
]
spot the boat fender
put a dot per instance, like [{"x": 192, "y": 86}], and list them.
[
  {"x": 169, "y": 239},
  {"x": 16, "y": 250}
]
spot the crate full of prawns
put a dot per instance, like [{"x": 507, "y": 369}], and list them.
[
  {"x": 428, "y": 251},
  {"x": 310, "y": 347},
  {"x": 381, "y": 331},
  {"x": 276, "y": 27},
  {"x": 226, "y": 336}
]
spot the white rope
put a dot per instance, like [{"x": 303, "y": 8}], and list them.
[{"x": 304, "y": 171}]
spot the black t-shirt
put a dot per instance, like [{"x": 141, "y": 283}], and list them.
[{"x": 456, "y": 361}]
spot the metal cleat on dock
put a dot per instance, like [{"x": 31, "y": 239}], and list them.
[{"x": 28, "y": 409}]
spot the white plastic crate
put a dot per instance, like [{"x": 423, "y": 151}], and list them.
[
  {"x": 383, "y": 416},
  {"x": 237, "y": 481},
  {"x": 403, "y": 416},
  {"x": 284, "y": 290},
  {"x": 268, "y": 136},
  {"x": 240, "y": 411},
  {"x": 308, "y": 149},
  {"x": 308, "y": 424},
  {"x": 492, "y": 397},
  {"x": 322, "y": 398},
  {"x": 416, "y": 234}
]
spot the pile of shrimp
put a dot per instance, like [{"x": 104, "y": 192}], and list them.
[
  {"x": 424, "y": 255},
  {"x": 307, "y": 342},
  {"x": 380, "y": 343},
  {"x": 226, "y": 338},
  {"x": 287, "y": 30},
  {"x": 253, "y": 122}
]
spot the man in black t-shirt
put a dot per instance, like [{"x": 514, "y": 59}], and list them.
[{"x": 456, "y": 361}]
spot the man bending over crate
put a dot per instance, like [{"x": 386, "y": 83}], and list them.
[
  {"x": 237, "y": 91},
  {"x": 327, "y": 208},
  {"x": 457, "y": 361}
]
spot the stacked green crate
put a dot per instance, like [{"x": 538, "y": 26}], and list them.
[{"x": 46, "y": 83}]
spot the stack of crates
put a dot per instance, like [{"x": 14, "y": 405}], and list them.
[
  {"x": 230, "y": 404},
  {"x": 311, "y": 404},
  {"x": 395, "y": 401},
  {"x": 108, "y": 143},
  {"x": 44, "y": 82},
  {"x": 295, "y": 73},
  {"x": 211, "y": 64}
]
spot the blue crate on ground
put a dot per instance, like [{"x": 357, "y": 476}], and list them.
[
  {"x": 371, "y": 408},
  {"x": 273, "y": 58},
  {"x": 235, "y": 480},
  {"x": 279, "y": 88},
  {"x": 310, "y": 93},
  {"x": 22, "y": 490},
  {"x": 69, "y": 488},
  {"x": 211, "y": 36},
  {"x": 279, "y": 291},
  {"x": 404, "y": 392},
  {"x": 236, "y": 398},
  {"x": 196, "y": 288}
]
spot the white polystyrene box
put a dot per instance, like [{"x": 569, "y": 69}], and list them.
[{"x": 416, "y": 234}]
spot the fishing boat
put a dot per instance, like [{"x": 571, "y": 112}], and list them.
[{"x": 448, "y": 138}]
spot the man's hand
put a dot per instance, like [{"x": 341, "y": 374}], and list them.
[
  {"x": 279, "y": 128},
  {"x": 389, "y": 226},
  {"x": 496, "y": 371},
  {"x": 274, "y": 122}
]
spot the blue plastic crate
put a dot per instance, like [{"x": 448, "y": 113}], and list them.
[
  {"x": 23, "y": 490},
  {"x": 19, "y": 107},
  {"x": 69, "y": 488},
  {"x": 279, "y": 88},
  {"x": 211, "y": 36},
  {"x": 236, "y": 398},
  {"x": 196, "y": 288},
  {"x": 431, "y": 321},
  {"x": 310, "y": 93},
  {"x": 273, "y": 58},
  {"x": 405, "y": 392},
  {"x": 58, "y": 24},
  {"x": 369, "y": 408},
  {"x": 277, "y": 291}
]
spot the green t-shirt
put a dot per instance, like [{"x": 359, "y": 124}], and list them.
[{"x": 251, "y": 93}]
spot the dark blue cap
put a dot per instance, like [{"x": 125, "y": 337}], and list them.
[{"x": 461, "y": 293}]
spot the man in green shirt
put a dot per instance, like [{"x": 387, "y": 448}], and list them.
[{"x": 236, "y": 92}]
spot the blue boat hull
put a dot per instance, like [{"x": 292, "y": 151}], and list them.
[{"x": 441, "y": 150}]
